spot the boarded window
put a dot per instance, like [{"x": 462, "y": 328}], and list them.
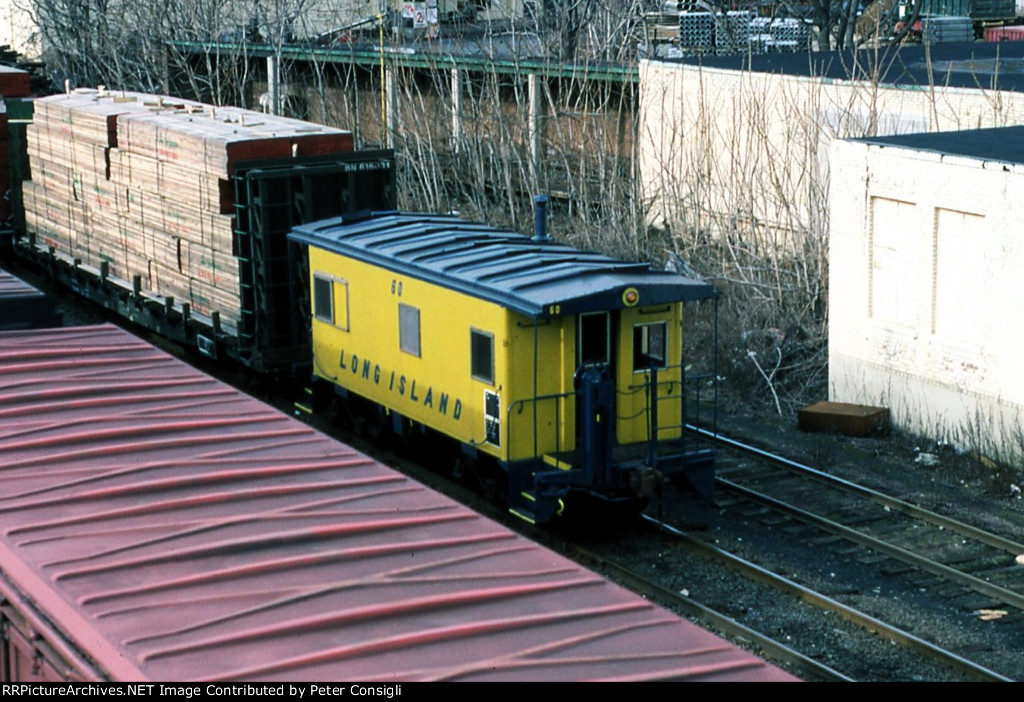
[
  {"x": 650, "y": 346},
  {"x": 957, "y": 307},
  {"x": 330, "y": 300},
  {"x": 893, "y": 292},
  {"x": 409, "y": 328},
  {"x": 481, "y": 348}
]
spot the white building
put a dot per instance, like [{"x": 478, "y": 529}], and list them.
[
  {"x": 920, "y": 230},
  {"x": 18, "y": 28},
  {"x": 926, "y": 288},
  {"x": 735, "y": 141}
]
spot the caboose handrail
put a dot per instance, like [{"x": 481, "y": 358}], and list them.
[
  {"x": 520, "y": 406},
  {"x": 562, "y": 406},
  {"x": 654, "y": 397}
]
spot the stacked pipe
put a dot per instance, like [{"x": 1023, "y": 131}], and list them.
[
  {"x": 789, "y": 34},
  {"x": 760, "y": 35},
  {"x": 778, "y": 35},
  {"x": 697, "y": 31},
  {"x": 732, "y": 32},
  {"x": 945, "y": 30}
]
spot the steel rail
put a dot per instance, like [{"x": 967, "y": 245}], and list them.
[
  {"x": 994, "y": 540},
  {"x": 934, "y": 567},
  {"x": 849, "y": 614},
  {"x": 771, "y": 648}
]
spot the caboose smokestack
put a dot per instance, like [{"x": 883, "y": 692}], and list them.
[{"x": 540, "y": 219}]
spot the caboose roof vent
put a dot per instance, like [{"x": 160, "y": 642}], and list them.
[{"x": 540, "y": 219}]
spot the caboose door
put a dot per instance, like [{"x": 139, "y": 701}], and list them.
[
  {"x": 594, "y": 339},
  {"x": 595, "y": 394}
]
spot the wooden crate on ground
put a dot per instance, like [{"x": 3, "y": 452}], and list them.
[{"x": 844, "y": 418}]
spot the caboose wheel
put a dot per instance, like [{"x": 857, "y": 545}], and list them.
[
  {"x": 491, "y": 481},
  {"x": 458, "y": 468},
  {"x": 374, "y": 426}
]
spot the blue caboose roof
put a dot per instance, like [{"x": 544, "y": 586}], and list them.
[{"x": 497, "y": 265}]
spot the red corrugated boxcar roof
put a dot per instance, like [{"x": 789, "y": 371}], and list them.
[{"x": 175, "y": 529}]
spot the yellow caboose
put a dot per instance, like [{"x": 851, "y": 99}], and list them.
[{"x": 559, "y": 371}]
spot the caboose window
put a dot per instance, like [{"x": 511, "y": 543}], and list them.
[
  {"x": 481, "y": 351},
  {"x": 409, "y": 328},
  {"x": 330, "y": 300},
  {"x": 649, "y": 346},
  {"x": 323, "y": 299}
]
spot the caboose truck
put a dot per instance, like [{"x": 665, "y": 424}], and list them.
[{"x": 555, "y": 369}]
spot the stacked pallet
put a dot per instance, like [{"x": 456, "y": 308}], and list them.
[{"x": 142, "y": 183}]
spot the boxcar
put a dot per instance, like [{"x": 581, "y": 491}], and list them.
[
  {"x": 159, "y": 525},
  {"x": 22, "y": 306}
]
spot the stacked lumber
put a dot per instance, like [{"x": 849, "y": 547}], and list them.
[
  {"x": 14, "y": 82},
  {"x": 142, "y": 183}
]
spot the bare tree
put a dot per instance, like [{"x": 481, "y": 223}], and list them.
[
  {"x": 90, "y": 42},
  {"x": 131, "y": 43},
  {"x": 847, "y": 24},
  {"x": 520, "y": 131}
]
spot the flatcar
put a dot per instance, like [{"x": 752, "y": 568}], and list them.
[
  {"x": 159, "y": 525},
  {"x": 173, "y": 214},
  {"x": 559, "y": 372}
]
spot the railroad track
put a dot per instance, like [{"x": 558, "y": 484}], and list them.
[
  {"x": 953, "y": 551},
  {"x": 938, "y": 580},
  {"x": 885, "y": 632},
  {"x": 809, "y": 631},
  {"x": 816, "y": 643}
]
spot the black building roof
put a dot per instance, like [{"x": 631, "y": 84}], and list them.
[
  {"x": 1003, "y": 144},
  {"x": 986, "y": 65}
]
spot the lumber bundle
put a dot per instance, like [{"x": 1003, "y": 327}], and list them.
[
  {"x": 14, "y": 82},
  {"x": 143, "y": 183}
]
